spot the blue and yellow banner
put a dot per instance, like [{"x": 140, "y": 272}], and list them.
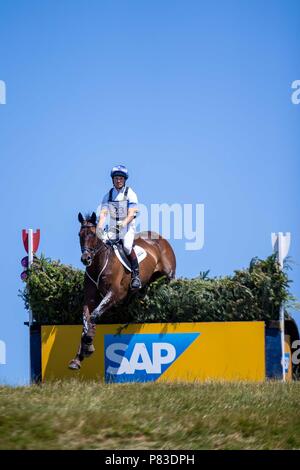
[{"x": 160, "y": 352}]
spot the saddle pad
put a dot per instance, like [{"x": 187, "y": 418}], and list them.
[{"x": 139, "y": 251}]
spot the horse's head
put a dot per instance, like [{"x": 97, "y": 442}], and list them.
[{"x": 88, "y": 238}]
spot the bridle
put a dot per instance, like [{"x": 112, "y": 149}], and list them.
[
  {"x": 92, "y": 252},
  {"x": 86, "y": 249}
]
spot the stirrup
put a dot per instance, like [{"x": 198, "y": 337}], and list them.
[{"x": 135, "y": 279}]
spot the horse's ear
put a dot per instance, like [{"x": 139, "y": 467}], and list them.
[
  {"x": 93, "y": 218},
  {"x": 80, "y": 218}
]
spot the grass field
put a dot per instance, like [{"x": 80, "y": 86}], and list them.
[{"x": 77, "y": 415}]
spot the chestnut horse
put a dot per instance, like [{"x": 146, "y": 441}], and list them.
[{"x": 107, "y": 281}]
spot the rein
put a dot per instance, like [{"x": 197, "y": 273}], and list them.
[
  {"x": 99, "y": 275},
  {"x": 93, "y": 252}
]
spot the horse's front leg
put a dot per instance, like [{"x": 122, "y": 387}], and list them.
[
  {"x": 88, "y": 332},
  {"x": 106, "y": 303},
  {"x": 86, "y": 347},
  {"x": 90, "y": 316}
]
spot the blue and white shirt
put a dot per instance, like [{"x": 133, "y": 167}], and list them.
[{"x": 119, "y": 207}]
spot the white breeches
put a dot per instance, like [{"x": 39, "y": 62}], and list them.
[{"x": 128, "y": 238}]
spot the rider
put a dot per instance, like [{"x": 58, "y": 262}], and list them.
[{"x": 122, "y": 205}]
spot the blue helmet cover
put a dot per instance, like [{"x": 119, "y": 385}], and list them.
[{"x": 119, "y": 170}]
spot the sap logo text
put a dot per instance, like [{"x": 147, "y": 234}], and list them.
[
  {"x": 2, "y": 352},
  {"x": 143, "y": 357},
  {"x": 140, "y": 359}
]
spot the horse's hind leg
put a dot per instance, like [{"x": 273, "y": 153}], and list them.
[
  {"x": 164, "y": 269},
  {"x": 168, "y": 264},
  {"x": 170, "y": 275}
]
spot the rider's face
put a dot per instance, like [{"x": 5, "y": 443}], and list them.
[{"x": 118, "y": 182}]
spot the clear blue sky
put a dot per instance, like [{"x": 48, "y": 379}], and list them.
[{"x": 193, "y": 96}]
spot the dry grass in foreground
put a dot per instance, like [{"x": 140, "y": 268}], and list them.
[{"x": 77, "y": 415}]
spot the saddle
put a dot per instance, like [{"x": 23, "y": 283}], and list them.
[
  {"x": 117, "y": 245},
  {"x": 122, "y": 257}
]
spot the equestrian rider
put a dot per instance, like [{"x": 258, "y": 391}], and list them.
[{"x": 122, "y": 204}]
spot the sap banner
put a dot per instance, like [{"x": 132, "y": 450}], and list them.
[{"x": 159, "y": 352}]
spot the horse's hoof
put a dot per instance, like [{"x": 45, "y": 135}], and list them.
[{"x": 74, "y": 364}]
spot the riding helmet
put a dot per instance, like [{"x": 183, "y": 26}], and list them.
[{"x": 119, "y": 170}]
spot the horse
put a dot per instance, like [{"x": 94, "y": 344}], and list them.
[{"x": 107, "y": 281}]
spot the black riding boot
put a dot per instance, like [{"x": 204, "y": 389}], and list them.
[{"x": 135, "y": 279}]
